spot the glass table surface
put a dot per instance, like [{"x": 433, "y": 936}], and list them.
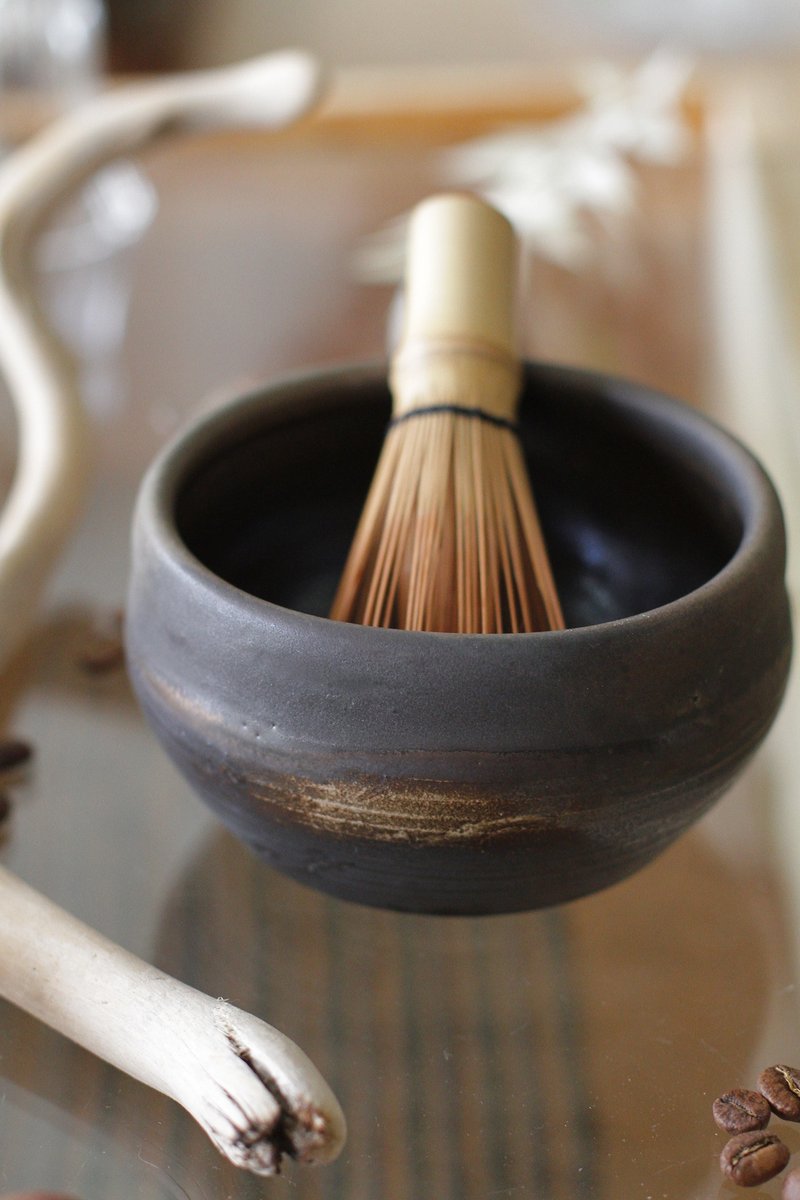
[{"x": 569, "y": 1054}]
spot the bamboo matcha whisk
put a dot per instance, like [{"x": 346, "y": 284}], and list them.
[{"x": 449, "y": 539}]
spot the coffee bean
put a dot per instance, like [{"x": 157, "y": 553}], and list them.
[
  {"x": 103, "y": 650},
  {"x": 781, "y": 1086},
  {"x": 741, "y": 1110},
  {"x": 750, "y": 1159},
  {"x": 791, "y": 1185},
  {"x": 102, "y": 657},
  {"x": 13, "y": 753}
]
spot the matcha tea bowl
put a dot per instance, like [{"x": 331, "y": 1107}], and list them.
[{"x": 459, "y": 773}]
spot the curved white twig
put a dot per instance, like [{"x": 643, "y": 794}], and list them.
[
  {"x": 51, "y": 464},
  {"x": 254, "y": 1092}
]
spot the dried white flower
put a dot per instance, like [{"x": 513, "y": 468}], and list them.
[{"x": 547, "y": 179}]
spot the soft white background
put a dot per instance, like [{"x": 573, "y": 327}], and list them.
[{"x": 373, "y": 31}]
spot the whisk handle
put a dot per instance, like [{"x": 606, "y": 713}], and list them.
[{"x": 458, "y": 330}]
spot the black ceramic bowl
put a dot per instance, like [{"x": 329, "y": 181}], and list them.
[{"x": 457, "y": 773}]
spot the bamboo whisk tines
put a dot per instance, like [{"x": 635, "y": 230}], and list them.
[{"x": 449, "y": 539}]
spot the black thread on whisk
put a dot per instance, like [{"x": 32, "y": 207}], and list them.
[{"x": 459, "y": 411}]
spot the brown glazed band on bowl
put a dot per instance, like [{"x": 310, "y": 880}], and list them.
[{"x": 454, "y": 773}]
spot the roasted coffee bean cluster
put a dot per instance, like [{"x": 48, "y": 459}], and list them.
[
  {"x": 14, "y": 754},
  {"x": 752, "y": 1156}
]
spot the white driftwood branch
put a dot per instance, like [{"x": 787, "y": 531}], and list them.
[
  {"x": 51, "y": 471},
  {"x": 253, "y": 1090}
]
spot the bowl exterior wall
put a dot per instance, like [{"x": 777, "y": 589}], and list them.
[
  {"x": 419, "y": 839},
  {"x": 443, "y": 773}
]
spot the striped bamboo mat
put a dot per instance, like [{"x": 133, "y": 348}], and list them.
[{"x": 450, "y": 1042}]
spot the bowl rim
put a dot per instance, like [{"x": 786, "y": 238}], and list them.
[{"x": 757, "y": 502}]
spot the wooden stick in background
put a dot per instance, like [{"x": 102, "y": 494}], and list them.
[{"x": 254, "y": 1092}]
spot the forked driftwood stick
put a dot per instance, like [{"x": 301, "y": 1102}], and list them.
[
  {"x": 253, "y": 1091},
  {"x": 51, "y": 473}
]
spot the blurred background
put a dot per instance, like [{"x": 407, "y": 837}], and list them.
[
  {"x": 153, "y": 34},
  {"x": 645, "y": 152},
  {"x": 157, "y": 35}
]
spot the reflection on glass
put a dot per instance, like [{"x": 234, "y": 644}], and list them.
[
  {"x": 85, "y": 276},
  {"x": 51, "y": 48},
  {"x": 51, "y": 58}
]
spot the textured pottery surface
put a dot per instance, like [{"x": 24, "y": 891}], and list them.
[{"x": 442, "y": 772}]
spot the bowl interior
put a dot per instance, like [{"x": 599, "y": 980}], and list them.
[{"x": 633, "y": 507}]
